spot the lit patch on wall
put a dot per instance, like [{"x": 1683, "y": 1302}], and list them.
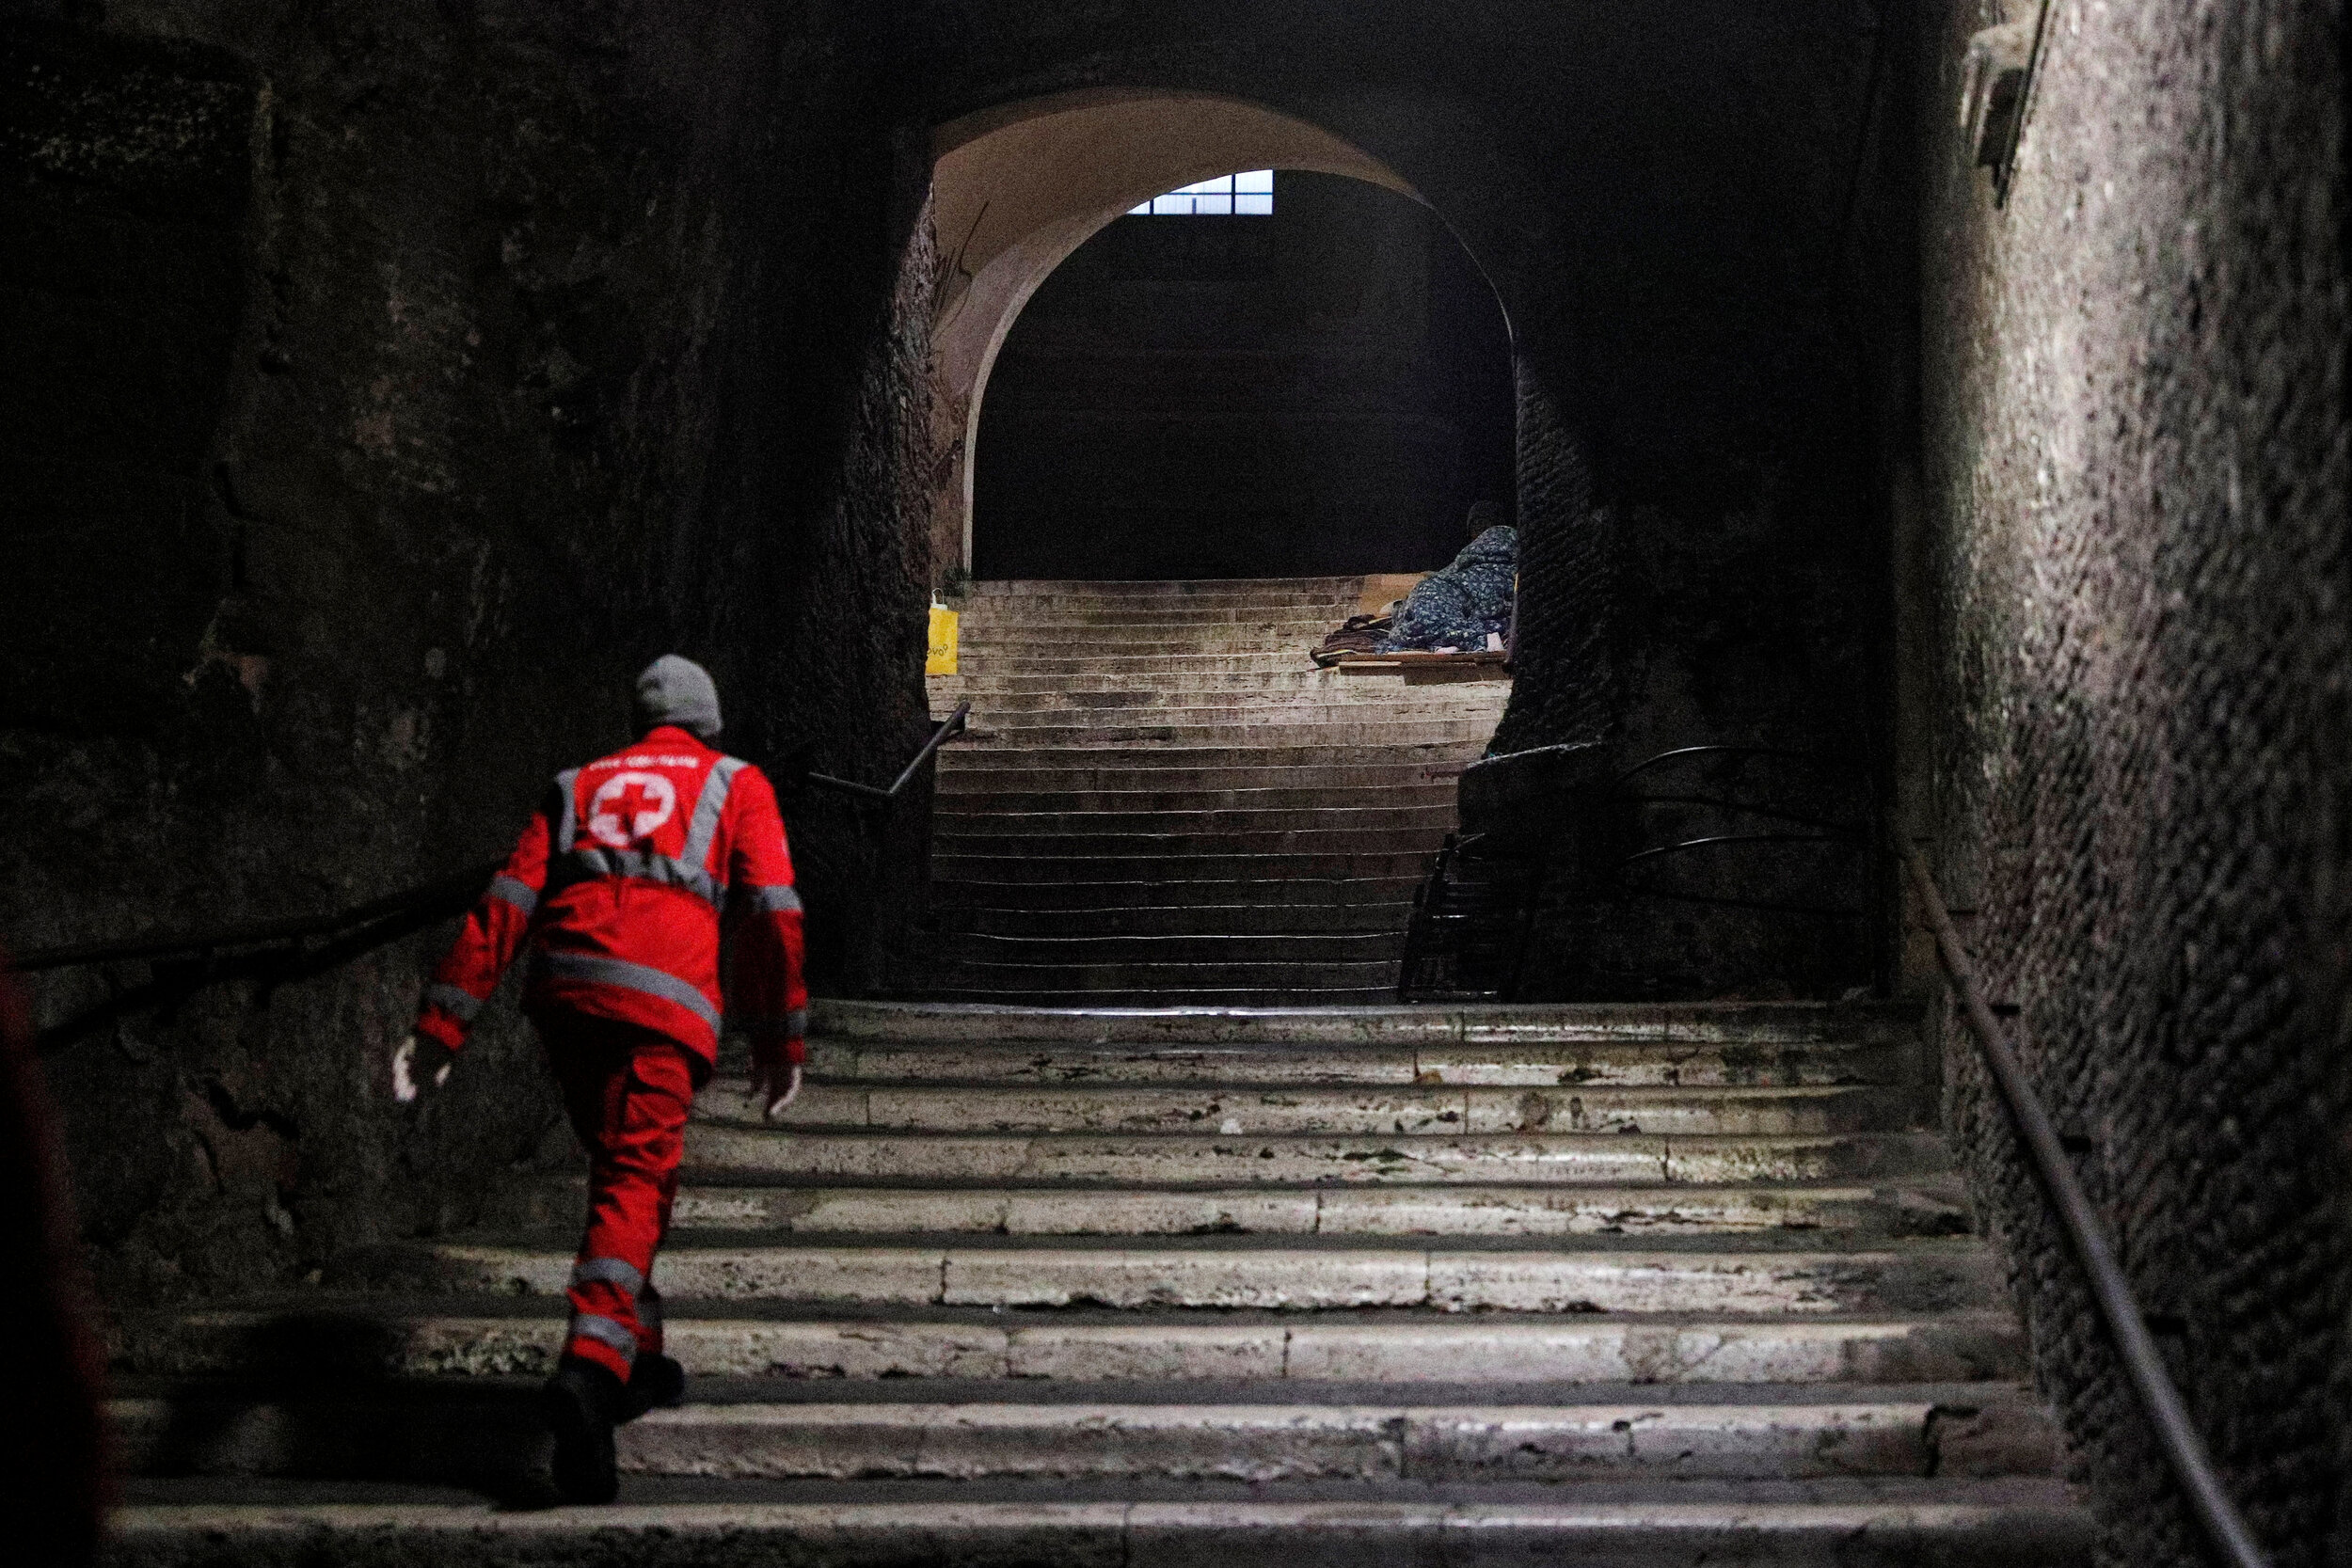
[{"x": 1248, "y": 193}]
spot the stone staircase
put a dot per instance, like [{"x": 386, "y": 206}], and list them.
[
  {"x": 1163, "y": 801},
  {"x": 1630, "y": 1285}
]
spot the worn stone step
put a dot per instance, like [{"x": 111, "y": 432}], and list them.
[
  {"x": 1391, "y": 736},
  {"x": 320, "y": 1338},
  {"x": 984, "y": 836},
  {"x": 1181, "y": 920},
  {"x": 1264, "y": 866},
  {"x": 1276, "y": 1274},
  {"x": 985, "y": 683},
  {"x": 472, "y": 1434},
  {"x": 1530, "y": 1024},
  {"x": 1011, "y": 804},
  {"x": 1157, "y": 992},
  {"x": 1949, "y": 1525},
  {"x": 1201, "y": 947},
  {"x": 1045, "y": 615},
  {"x": 1404, "y": 716},
  {"x": 716, "y": 1152},
  {"x": 1234, "y": 661},
  {"x": 1575, "y": 1063},
  {"x": 1431, "y": 1109},
  {"x": 1341, "y": 894},
  {"x": 1172, "y": 767},
  {"x": 1015, "y": 592},
  {"x": 1083, "y": 827},
  {"x": 1145, "y": 977},
  {"x": 1354, "y": 703},
  {"x": 1921, "y": 1206}
]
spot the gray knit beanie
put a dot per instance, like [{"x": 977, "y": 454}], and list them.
[{"x": 675, "y": 691}]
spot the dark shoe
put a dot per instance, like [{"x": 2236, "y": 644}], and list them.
[
  {"x": 579, "y": 1404},
  {"x": 654, "y": 1382}
]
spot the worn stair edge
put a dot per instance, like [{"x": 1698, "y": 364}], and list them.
[
  {"x": 450, "y": 1438},
  {"x": 1211, "y": 1159},
  {"x": 1958, "y": 1347},
  {"x": 1575, "y": 1065},
  {"x": 1361, "y": 1272},
  {"x": 1437, "y": 1109},
  {"x": 1697, "y": 1022},
  {"x": 1931, "y": 1206}
]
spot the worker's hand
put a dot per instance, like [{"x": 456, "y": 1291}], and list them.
[
  {"x": 420, "y": 1065},
  {"x": 776, "y": 1082}
]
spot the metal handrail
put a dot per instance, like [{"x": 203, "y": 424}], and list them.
[
  {"x": 457, "y": 891},
  {"x": 945, "y": 731},
  {"x": 2182, "y": 1447}
]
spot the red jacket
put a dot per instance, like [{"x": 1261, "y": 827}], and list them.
[{"x": 618, "y": 883}]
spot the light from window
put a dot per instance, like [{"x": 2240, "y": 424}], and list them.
[{"x": 1248, "y": 193}]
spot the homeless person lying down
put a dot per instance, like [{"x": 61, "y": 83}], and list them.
[{"x": 1466, "y": 606}]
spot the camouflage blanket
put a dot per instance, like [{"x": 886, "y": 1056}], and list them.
[{"x": 1456, "y": 609}]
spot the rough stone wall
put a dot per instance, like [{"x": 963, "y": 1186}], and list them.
[
  {"x": 514, "y": 343},
  {"x": 2135, "y": 504}
]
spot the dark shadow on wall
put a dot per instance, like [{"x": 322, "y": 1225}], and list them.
[{"x": 1318, "y": 392}]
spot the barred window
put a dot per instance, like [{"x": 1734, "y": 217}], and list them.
[{"x": 1248, "y": 193}]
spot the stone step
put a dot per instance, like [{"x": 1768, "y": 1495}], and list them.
[
  {"x": 1046, "y": 615},
  {"x": 1519, "y": 1024},
  {"x": 1341, "y": 727},
  {"x": 1299, "y": 675},
  {"x": 472, "y": 1434},
  {"x": 1404, "y": 712},
  {"x": 952, "y": 806},
  {"x": 1183, "y": 822},
  {"x": 1533, "y": 1064},
  {"x": 1206, "y": 766},
  {"x": 1296, "y": 1110},
  {"x": 720, "y": 1154},
  {"x": 1214, "y": 947},
  {"x": 1923, "y": 1205},
  {"x": 318, "y": 1337},
  {"x": 1144, "y": 978},
  {"x": 1284, "y": 1274},
  {"x": 1158, "y": 994},
  {"x": 1232, "y": 661},
  {"x": 1179, "y": 589},
  {"x": 1342, "y": 895},
  {"x": 1949, "y": 1525},
  {"x": 1420, "y": 837},
  {"x": 1407, "y": 865},
  {"x": 1180, "y": 920},
  {"x": 1141, "y": 736}
]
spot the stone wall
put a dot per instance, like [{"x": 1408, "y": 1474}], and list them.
[
  {"x": 386, "y": 383},
  {"x": 2132, "y": 587}
]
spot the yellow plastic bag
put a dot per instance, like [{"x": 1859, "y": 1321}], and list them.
[{"x": 941, "y": 659}]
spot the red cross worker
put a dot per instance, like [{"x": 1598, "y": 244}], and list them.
[{"x": 612, "y": 898}]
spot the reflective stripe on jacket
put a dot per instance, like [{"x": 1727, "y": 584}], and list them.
[{"x": 617, "y": 886}]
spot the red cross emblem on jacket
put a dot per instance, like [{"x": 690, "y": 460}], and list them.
[{"x": 617, "y": 888}]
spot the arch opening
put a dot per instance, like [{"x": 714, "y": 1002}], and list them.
[{"x": 1017, "y": 192}]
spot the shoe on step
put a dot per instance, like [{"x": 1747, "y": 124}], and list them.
[
  {"x": 580, "y": 1402},
  {"x": 654, "y": 1382}
]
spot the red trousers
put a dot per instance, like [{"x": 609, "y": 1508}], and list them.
[{"x": 628, "y": 1091}]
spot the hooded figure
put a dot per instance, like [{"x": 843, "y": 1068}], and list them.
[
  {"x": 615, "y": 892},
  {"x": 1457, "y": 609}
]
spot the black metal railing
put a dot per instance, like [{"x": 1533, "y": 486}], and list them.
[
  {"x": 294, "y": 946},
  {"x": 942, "y": 732},
  {"x": 1816, "y": 828},
  {"x": 2184, "y": 1449}
]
